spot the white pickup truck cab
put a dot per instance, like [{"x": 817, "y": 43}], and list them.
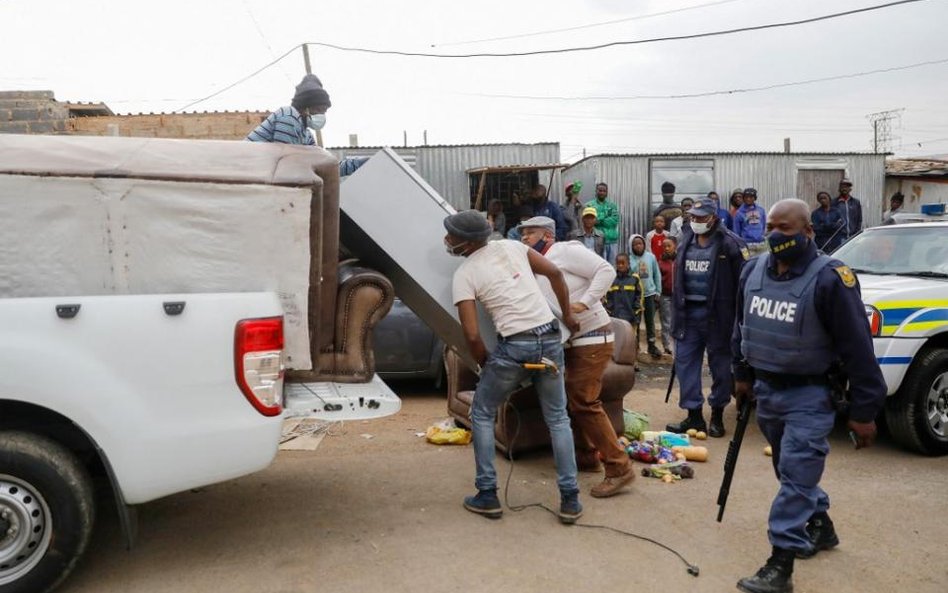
[
  {"x": 154, "y": 296},
  {"x": 903, "y": 274}
]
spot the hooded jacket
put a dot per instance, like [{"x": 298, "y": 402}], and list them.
[{"x": 646, "y": 266}]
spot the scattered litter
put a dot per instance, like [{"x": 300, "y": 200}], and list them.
[
  {"x": 366, "y": 436},
  {"x": 446, "y": 433},
  {"x": 305, "y": 434},
  {"x": 419, "y": 434},
  {"x": 769, "y": 451}
]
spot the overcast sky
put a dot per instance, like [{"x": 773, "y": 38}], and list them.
[{"x": 160, "y": 56}]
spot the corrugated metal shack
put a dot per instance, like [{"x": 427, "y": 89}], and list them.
[
  {"x": 921, "y": 181},
  {"x": 445, "y": 167},
  {"x": 635, "y": 179}
]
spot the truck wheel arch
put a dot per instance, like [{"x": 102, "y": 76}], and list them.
[{"x": 31, "y": 418}]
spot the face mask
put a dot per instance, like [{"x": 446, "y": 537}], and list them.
[
  {"x": 540, "y": 245},
  {"x": 317, "y": 121},
  {"x": 454, "y": 250},
  {"x": 787, "y": 247},
  {"x": 700, "y": 228}
]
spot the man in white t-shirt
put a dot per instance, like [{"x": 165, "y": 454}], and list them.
[
  {"x": 500, "y": 274},
  {"x": 588, "y": 351}
]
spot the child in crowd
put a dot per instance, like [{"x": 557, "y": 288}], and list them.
[
  {"x": 666, "y": 264},
  {"x": 656, "y": 237},
  {"x": 645, "y": 264},
  {"x": 624, "y": 298}
]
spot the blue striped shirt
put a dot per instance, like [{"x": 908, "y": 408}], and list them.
[{"x": 285, "y": 125}]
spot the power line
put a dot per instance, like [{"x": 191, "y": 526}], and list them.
[
  {"x": 712, "y": 93},
  {"x": 586, "y": 26},
  {"x": 244, "y": 79},
  {"x": 614, "y": 43}
]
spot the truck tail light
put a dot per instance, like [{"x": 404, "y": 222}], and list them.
[
  {"x": 258, "y": 362},
  {"x": 875, "y": 320}
]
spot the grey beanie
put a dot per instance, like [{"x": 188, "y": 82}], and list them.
[
  {"x": 310, "y": 92},
  {"x": 469, "y": 225}
]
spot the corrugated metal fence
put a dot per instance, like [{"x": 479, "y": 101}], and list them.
[
  {"x": 774, "y": 175},
  {"x": 443, "y": 167}
]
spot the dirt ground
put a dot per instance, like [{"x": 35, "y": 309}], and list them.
[{"x": 376, "y": 508}]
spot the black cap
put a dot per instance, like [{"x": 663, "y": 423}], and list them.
[
  {"x": 469, "y": 225},
  {"x": 750, "y": 191}
]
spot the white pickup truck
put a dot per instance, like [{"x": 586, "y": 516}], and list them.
[{"x": 152, "y": 294}]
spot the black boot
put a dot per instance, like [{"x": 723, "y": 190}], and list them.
[
  {"x": 653, "y": 351},
  {"x": 773, "y": 577},
  {"x": 716, "y": 426},
  {"x": 822, "y": 535},
  {"x": 694, "y": 420}
]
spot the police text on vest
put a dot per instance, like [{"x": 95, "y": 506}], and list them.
[
  {"x": 692, "y": 265},
  {"x": 771, "y": 309}
]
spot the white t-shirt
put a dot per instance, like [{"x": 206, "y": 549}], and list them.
[
  {"x": 499, "y": 276},
  {"x": 588, "y": 278}
]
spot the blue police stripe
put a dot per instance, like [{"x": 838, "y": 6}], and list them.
[
  {"x": 895, "y": 360},
  {"x": 897, "y": 316},
  {"x": 933, "y": 315}
]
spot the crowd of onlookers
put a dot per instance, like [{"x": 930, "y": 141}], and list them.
[{"x": 644, "y": 285}]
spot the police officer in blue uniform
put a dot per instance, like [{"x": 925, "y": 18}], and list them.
[
  {"x": 708, "y": 267},
  {"x": 798, "y": 312}
]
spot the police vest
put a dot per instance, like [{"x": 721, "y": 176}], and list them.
[
  {"x": 781, "y": 332},
  {"x": 697, "y": 272}
]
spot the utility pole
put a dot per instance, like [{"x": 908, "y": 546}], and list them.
[
  {"x": 309, "y": 70},
  {"x": 882, "y": 138}
]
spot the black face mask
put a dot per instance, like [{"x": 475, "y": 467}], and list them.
[
  {"x": 540, "y": 245},
  {"x": 787, "y": 247}
]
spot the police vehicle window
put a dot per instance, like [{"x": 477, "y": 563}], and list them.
[
  {"x": 692, "y": 178},
  {"x": 897, "y": 250}
]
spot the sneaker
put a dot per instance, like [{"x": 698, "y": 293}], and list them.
[
  {"x": 570, "y": 509},
  {"x": 822, "y": 534},
  {"x": 613, "y": 485},
  {"x": 654, "y": 352},
  {"x": 485, "y": 503}
]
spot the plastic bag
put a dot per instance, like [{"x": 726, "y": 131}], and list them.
[
  {"x": 635, "y": 424},
  {"x": 445, "y": 433}
]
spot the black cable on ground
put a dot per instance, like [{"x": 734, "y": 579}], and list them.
[{"x": 692, "y": 569}]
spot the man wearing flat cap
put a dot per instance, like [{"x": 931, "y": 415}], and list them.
[
  {"x": 500, "y": 274},
  {"x": 588, "y": 351},
  {"x": 293, "y": 124}
]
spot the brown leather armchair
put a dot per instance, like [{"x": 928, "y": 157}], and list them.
[
  {"x": 617, "y": 380},
  {"x": 363, "y": 298}
]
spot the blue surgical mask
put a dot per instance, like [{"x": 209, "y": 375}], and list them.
[
  {"x": 316, "y": 121},
  {"x": 787, "y": 247}
]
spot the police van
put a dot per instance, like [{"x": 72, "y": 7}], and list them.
[{"x": 903, "y": 273}]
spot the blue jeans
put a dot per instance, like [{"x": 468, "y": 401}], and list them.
[
  {"x": 796, "y": 421},
  {"x": 689, "y": 358},
  {"x": 501, "y": 374},
  {"x": 609, "y": 252}
]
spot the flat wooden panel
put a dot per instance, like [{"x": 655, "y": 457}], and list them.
[{"x": 812, "y": 181}]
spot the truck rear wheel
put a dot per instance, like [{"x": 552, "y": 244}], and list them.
[
  {"x": 46, "y": 512},
  {"x": 917, "y": 416}
]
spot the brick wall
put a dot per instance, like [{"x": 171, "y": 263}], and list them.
[
  {"x": 208, "y": 126},
  {"x": 38, "y": 112},
  {"x": 32, "y": 112}
]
